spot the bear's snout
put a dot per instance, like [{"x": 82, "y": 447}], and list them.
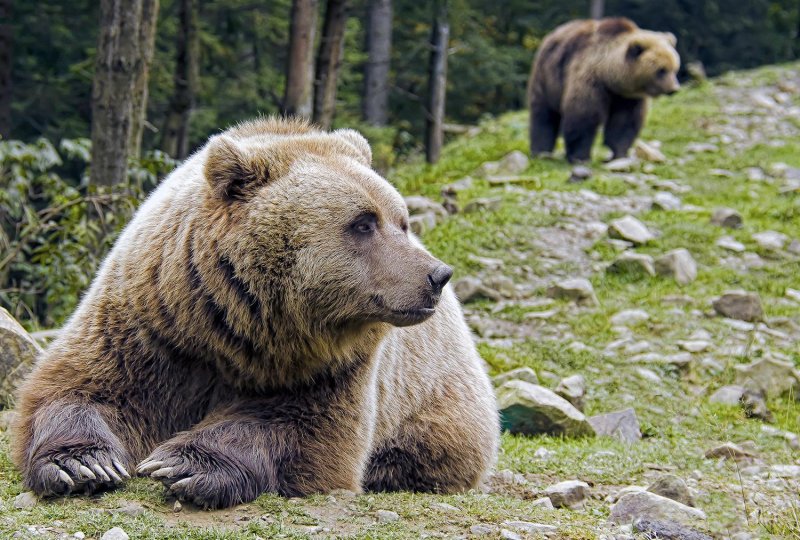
[{"x": 439, "y": 277}]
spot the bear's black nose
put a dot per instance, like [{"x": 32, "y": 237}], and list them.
[{"x": 439, "y": 278}]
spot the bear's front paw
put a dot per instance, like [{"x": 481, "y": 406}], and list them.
[
  {"x": 86, "y": 468},
  {"x": 203, "y": 477}
]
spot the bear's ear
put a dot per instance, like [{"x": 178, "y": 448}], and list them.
[
  {"x": 671, "y": 38},
  {"x": 359, "y": 144},
  {"x": 634, "y": 51},
  {"x": 231, "y": 171}
]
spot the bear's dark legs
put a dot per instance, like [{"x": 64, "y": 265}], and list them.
[
  {"x": 625, "y": 121},
  {"x": 579, "y": 133},
  {"x": 72, "y": 448},
  {"x": 544, "y": 124}
]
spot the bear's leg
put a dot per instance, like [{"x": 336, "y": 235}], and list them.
[
  {"x": 625, "y": 121},
  {"x": 293, "y": 447},
  {"x": 580, "y": 130},
  {"x": 72, "y": 448},
  {"x": 544, "y": 126}
]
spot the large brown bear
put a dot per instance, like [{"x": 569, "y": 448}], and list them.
[
  {"x": 589, "y": 73},
  {"x": 266, "y": 323}
]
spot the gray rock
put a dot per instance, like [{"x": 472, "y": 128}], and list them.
[
  {"x": 729, "y": 450},
  {"x": 470, "y": 288},
  {"x": 727, "y": 242},
  {"x": 386, "y": 516},
  {"x": 18, "y": 350},
  {"x": 648, "y": 152},
  {"x": 794, "y": 247},
  {"x": 643, "y": 504},
  {"x": 629, "y": 317},
  {"x": 672, "y": 487},
  {"x": 483, "y": 204},
  {"x": 667, "y": 530},
  {"x": 664, "y": 200},
  {"x": 755, "y": 174},
  {"x": 622, "y": 425},
  {"x": 621, "y": 165},
  {"x": 770, "y": 240},
  {"x": 578, "y": 289},
  {"x": 755, "y": 405},
  {"x": 771, "y": 376},
  {"x": 531, "y": 409},
  {"x": 444, "y": 507},
  {"x": 727, "y": 395},
  {"x": 529, "y": 527},
  {"x": 740, "y": 305},
  {"x": 700, "y": 148},
  {"x": 727, "y": 217},
  {"x": 451, "y": 190},
  {"x": 694, "y": 345},
  {"x": 677, "y": 264},
  {"x": 422, "y": 223},
  {"x": 513, "y": 163},
  {"x": 7, "y": 418},
  {"x": 520, "y": 374},
  {"x": 633, "y": 263},
  {"x": 26, "y": 499},
  {"x": 580, "y": 173},
  {"x": 132, "y": 509},
  {"x": 792, "y": 294},
  {"x": 481, "y": 530},
  {"x": 502, "y": 285},
  {"x": 115, "y": 533},
  {"x": 543, "y": 502},
  {"x": 422, "y": 205},
  {"x": 569, "y": 494},
  {"x": 505, "y": 534},
  {"x": 573, "y": 389},
  {"x": 630, "y": 229}
]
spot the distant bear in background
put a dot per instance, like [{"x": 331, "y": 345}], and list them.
[
  {"x": 265, "y": 323},
  {"x": 589, "y": 73}
]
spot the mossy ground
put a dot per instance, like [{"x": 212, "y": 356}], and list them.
[{"x": 677, "y": 420}]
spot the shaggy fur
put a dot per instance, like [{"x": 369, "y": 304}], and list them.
[
  {"x": 265, "y": 323},
  {"x": 589, "y": 73}
]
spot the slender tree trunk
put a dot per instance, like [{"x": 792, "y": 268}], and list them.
[
  {"x": 147, "y": 37},
  {"x": 437, "y": 83},
  {"x": 175, "y": 138},
  {"x": 329, "y": 60},
  {"x": 596, "y": 9},
  {"x": 6, "y": 44},
  {"x": 298, "y": 98},
  {"x": 376, "y": 71}
]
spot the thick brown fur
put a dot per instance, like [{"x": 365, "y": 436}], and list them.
[
  {"x": 264, "y": 324},
  {"x": 590, "y": 73}
]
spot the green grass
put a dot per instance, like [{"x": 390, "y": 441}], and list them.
[{"x": 678, "y": 422}]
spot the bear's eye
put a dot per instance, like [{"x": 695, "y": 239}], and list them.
[
  {"x": 364, "y": 224},
  {"x": 404, "y": 226},
  {"x": 661, "y": 72}
]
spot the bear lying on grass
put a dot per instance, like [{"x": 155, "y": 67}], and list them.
[
  {"x": 265, "y": 323},
  {"x": 591, "y": 73}
]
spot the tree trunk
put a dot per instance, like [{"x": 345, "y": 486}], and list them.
[
  {"x": 376, "y": 71},
  {"x": 329, "y": 60},
  {"x": 298, "y": 98},
  {"x": 116, "y": 74},
  {"x": 6, "y": 36},
  {"x": 147, "y": 37},
  {"x": 175, "y": 138},
  {"x": 437, "y": 83},
  {"x": 596, "y": 9}
]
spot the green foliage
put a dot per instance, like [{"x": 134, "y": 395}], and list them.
[{"x": 54, "y": 228}]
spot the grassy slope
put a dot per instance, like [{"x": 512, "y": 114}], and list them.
[{"x": 676, "y": 416}]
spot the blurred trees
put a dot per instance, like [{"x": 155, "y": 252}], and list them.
[
  {"x": 375, "y": 104},
  {"x": 6, "y": 37},
  {"x": 329, "y": 61},
  {"x": 298, "y": 98}
]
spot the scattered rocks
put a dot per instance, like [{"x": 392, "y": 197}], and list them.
[
  {"x": 700, "y": 148},
  {"x": 422, "y": 223},
  {"x": 568, "y": 494},
  {"x": 755, "y": 405},
  {"x": 629, "y": 317},
  {"x": 481, "y": 530},
  {"x": 520, "y": 374},
  {"x": 622, "y": 425},
  {"x": 729, "y": 450},
  {"x": 770, "y": 240},
  {"x": 543, "y": 502},
  {"x": 421, "y": 205},
  {"x": 621, "y": 165},
  {"x": 578, "y": 289},
  {"x": 667, "y": 530},
  {"x": 18, "y": 350},
  {"x": 177, "y": 507},
  {"x": 530, "y": 409},
  {"x": 727, "y": 395},
  {"x": 386, "y": 516},
  {"x": 633, "y": 263},
  {"x": 672, "y": 487},
  {"x": 579, "y": 173},
  {"x": 470, "y": 288},
  {"x": 115, "y": 533},
  {"x": 664, "y": 200},
  {"x": 792, "y": 294},
  {"x": 727, "y": 217},
  {"x": 648, "y": 152},
  {"x": 505, "y": 534},
  {"x": 771, "y": 376},
  {"x": 26, "y": 499},
  {"x": 694, "y": 345},
  {"x": 643, "y": 504},
  {"x": 529, "y": 527},
  {"x": 677, "y": 264},
  {"x": 444, "y": 507},
  {"x": 513, "y": 163},
  {"x": 483, "y": 204},
  {"x": 727, "y": 242},
  {"x": 573, "y": 389},
  {"x": 740, "y": 305},
  {"x": 630, "y": 229},
  {"x": 129, "y": 508}
]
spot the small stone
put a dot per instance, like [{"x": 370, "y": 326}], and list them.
[
  {"x": 505, "y": 534},
  {"x": 699, "y": 148},
  {"x": 470, "y": 288},
  {"x": 422, "y": 205},
  {"x": 630, "y": 229},
  {"x": 740, "y": 305},
  {"x": 648, "y": 152},
  {"x": 643, "y": 504},
  {"x": 130, "y": 509},
  {"x": 543, "y": 502},
  {"x": 677, "y": 264},
  {"x": 444, "y": 507},
  {"x": 573, "y": 389},
  {"x": 672, "y": 487},
  {"x": 755, "y": 174},
  {"x": 177, "y": 507},
  {"x": 755, "y": 405},
  {"x": 794, "y": 247},
  {"x": 773, "y": 377},
  {"x": 514, "y": 162},
  {"x": 694, "y": 345},
  {"x": 727, "y": 242},
  {"x": 727, "y": 217},
  {"x": 530, "y": 409},
  {"x": 793, "y": 294},
  {"x": 18, "y": 351},
  {"x": 578, "y": 289},
  {"x": 422, "y": 223},
  {"x": 648, "y": 375},
  {"x": 568, "y": 494},
  {"x": 629, "y": 317},
  {"x": 451, "y": 190},
  {"x": 521, "y": 374},
  {"x": 729, "y": 450},
  {"x": 483, "y": 204},
  {"x": 622, "y": 425},
  {"x": 721, "y": 173},
  {"x": 633, "y": 263},
  {"x": 580, "y": 173},
  {"x": 667, "y": 530},
  {"x": 7, "y": 418},
  {"x": 621, "y": 165},
  {"x": 770, "y": 240},
  {"x": 26, "y": 499},
  {"x": 115, "y": 533},
  {"x": 502, "y": 285},
  {"x": 481, "y": 530},
  {"x": 543, "y": 453},
  {"x": 529, "y": 527},
  {"x": 664, "y": 200},
  {"x": 79, "y": 535},
  {"x": 386, "y": 516},
  {"x": 727, "y": 395}
]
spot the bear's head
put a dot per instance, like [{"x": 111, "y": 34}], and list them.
[
  {"x": 651, "y": 64},
  {"x": 318, "y": 237}
]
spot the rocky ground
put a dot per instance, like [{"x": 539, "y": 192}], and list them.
[{"x": 641, "y": 319}]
